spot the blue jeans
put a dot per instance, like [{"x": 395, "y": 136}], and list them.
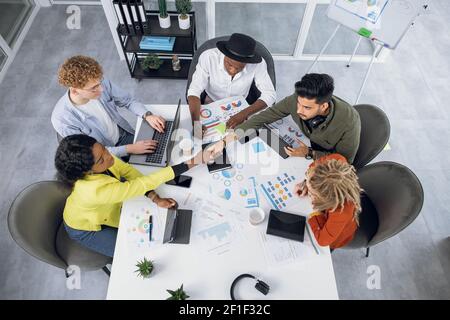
[
  {"x": 103, "y": 241},
  {"x": 124, "y": 139}
]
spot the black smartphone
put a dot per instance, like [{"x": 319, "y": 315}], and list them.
[
  {"x": 220, "y": 163},
  {"x": 181, "y": 181}
]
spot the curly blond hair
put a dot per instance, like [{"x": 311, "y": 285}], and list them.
[
  {"x": 77, "y": 71},
  {"x": 334, "y": 183}
]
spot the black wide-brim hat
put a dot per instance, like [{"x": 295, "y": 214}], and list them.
[{"x": 240, "y": 47}]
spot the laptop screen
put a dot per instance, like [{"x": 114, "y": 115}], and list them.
[
  {"x": 176, "y": 122},
  {"x": 170, "y": 230}
]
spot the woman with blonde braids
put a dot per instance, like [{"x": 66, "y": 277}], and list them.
[{"x": 333, "y": 187}]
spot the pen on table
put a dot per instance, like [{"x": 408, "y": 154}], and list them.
[
  {"x": 150, "y": 228},
  {"x": 311, "y": 239}
]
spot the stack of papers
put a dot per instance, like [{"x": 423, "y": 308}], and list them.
[{"x": 157, "y": 43}]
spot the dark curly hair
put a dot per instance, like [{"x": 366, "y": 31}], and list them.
[
  {"x": 315, "y": 86},
  {"x": 74, "y": 157}
]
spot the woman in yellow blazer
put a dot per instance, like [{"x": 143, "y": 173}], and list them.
[{"x": 100, "y": 183}]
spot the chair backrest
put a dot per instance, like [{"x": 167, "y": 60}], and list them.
[
  {"x": 58, "y": 137},
  {"x": 368, "y": 225},
  {"x": 209, "y": 44},
  {"x": 375, "y": 132},
  {"x": 34, "y": 218},
  {"x": 397, "y": 195}
]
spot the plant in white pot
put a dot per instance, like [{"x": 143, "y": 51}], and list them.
[
  {"x": 183, "y": 8},
  {"x": 164, "y": 18}
]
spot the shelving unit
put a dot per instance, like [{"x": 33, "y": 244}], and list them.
[{"x": 184, "y": 47}]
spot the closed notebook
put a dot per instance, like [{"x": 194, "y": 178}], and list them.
[{"x": 286, "y": 225}]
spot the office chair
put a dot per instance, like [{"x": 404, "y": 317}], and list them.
[
  {"x": 392, "y": 200},
  {"x": 375, "y": 132},
  {"x": 260, "y": 49},
  {"x": 35, "y": 223}
]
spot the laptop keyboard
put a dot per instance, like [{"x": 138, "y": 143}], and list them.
[{"x": 163, "y": 139}]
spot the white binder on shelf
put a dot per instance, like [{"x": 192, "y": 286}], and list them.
[
  {"x": 143, "y": 16},
  {"x": 134, "y": 16},
  {"x": 126, "y": 16},
  {"x": 123, "y": 30}
]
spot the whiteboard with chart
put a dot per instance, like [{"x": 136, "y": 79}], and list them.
[{"x": 383, "y": 20}]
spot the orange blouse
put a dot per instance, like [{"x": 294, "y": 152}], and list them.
[{"x": 334, "y": 228}]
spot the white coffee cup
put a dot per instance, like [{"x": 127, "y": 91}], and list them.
[
  {"x": 186, "y": 146},
  {"x": 256, "y": 216}
]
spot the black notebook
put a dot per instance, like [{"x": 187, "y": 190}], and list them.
[{"x": 286, "y": 225}]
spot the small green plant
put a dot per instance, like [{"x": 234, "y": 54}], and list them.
[
  {"x": 162, "y": 8},
  {"x": 152, "y": 61},
  {"x": 178, "y": 294},
  {"x": 183, "y": 7},
  {"x": 144, "y": 268}
]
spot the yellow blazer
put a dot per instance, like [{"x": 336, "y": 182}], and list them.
[{"x": 96, "y": 199}]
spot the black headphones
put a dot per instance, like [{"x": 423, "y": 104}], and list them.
[
  {"x": 316, "y": 121},
  {"x": 260, "y": 285}
]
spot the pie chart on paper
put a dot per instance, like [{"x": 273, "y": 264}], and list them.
[
  {"x": 229, "y": 173},
  {"x": 226, "y": 194}
]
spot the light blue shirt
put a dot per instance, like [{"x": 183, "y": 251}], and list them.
[{"x": 68, "y": 119}]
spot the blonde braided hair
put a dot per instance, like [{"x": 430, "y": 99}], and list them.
[{"x": 332, "y": 183}]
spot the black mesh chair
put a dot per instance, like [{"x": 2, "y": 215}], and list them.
[
  {"x": 260, "y": 49},
  {"x": 35, "y": 223},
  {"x": 392, "y": 201},
  {"x": 58, "y": 137},
  {"x": 375, "y": 132}
]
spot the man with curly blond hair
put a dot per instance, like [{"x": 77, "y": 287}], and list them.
[{"x": 91, "y": 106}]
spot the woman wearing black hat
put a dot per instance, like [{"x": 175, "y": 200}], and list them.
[{"x": 230, "y": 70}]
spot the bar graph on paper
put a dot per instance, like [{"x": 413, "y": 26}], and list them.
[
  {"x": 279, "y": 191},
  {"x": 215, "y": 115}
]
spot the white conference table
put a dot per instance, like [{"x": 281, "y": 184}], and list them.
[{"x": 208, "y": 275}]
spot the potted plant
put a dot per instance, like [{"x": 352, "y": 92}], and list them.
[
  {"x": 144, "y": 268},
  {"x": 183, "y": 8},
  {"x": 178, "y": 294},
  {"x": 164, "y": 18},
  {"x": 152, "y": 62}
]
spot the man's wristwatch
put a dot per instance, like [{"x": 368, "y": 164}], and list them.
[
  {"x": 145, "y": 115},
  {"x": 309, "y": 155}
]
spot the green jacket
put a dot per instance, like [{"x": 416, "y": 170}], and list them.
[{"x": 339, "y": 133}]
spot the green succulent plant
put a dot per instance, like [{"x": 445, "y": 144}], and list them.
[
  {"x": 178, "y": 294},
  {"x": 144, "y": 268},
  {"x": 162, "y": 8},
  {"x": 183, "y": 7},
  {"x": 152, "y": 61}
]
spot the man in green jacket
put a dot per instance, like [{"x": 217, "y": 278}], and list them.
[{"x": 331, "y": 124}]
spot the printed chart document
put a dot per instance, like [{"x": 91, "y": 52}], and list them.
[
  {"x": 137, "y": 227},
  {"x": 289, "y": 131},
  {"x": 215, "y": 115},
  {"x": 368, "y": 10},
  {"x": 216, "y": 226},
  {"x": 280, "y": 251}
]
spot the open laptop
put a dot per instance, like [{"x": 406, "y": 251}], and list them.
[
  {"x": 161, "y": 156},
  {"x": 178, "y": 226}
]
